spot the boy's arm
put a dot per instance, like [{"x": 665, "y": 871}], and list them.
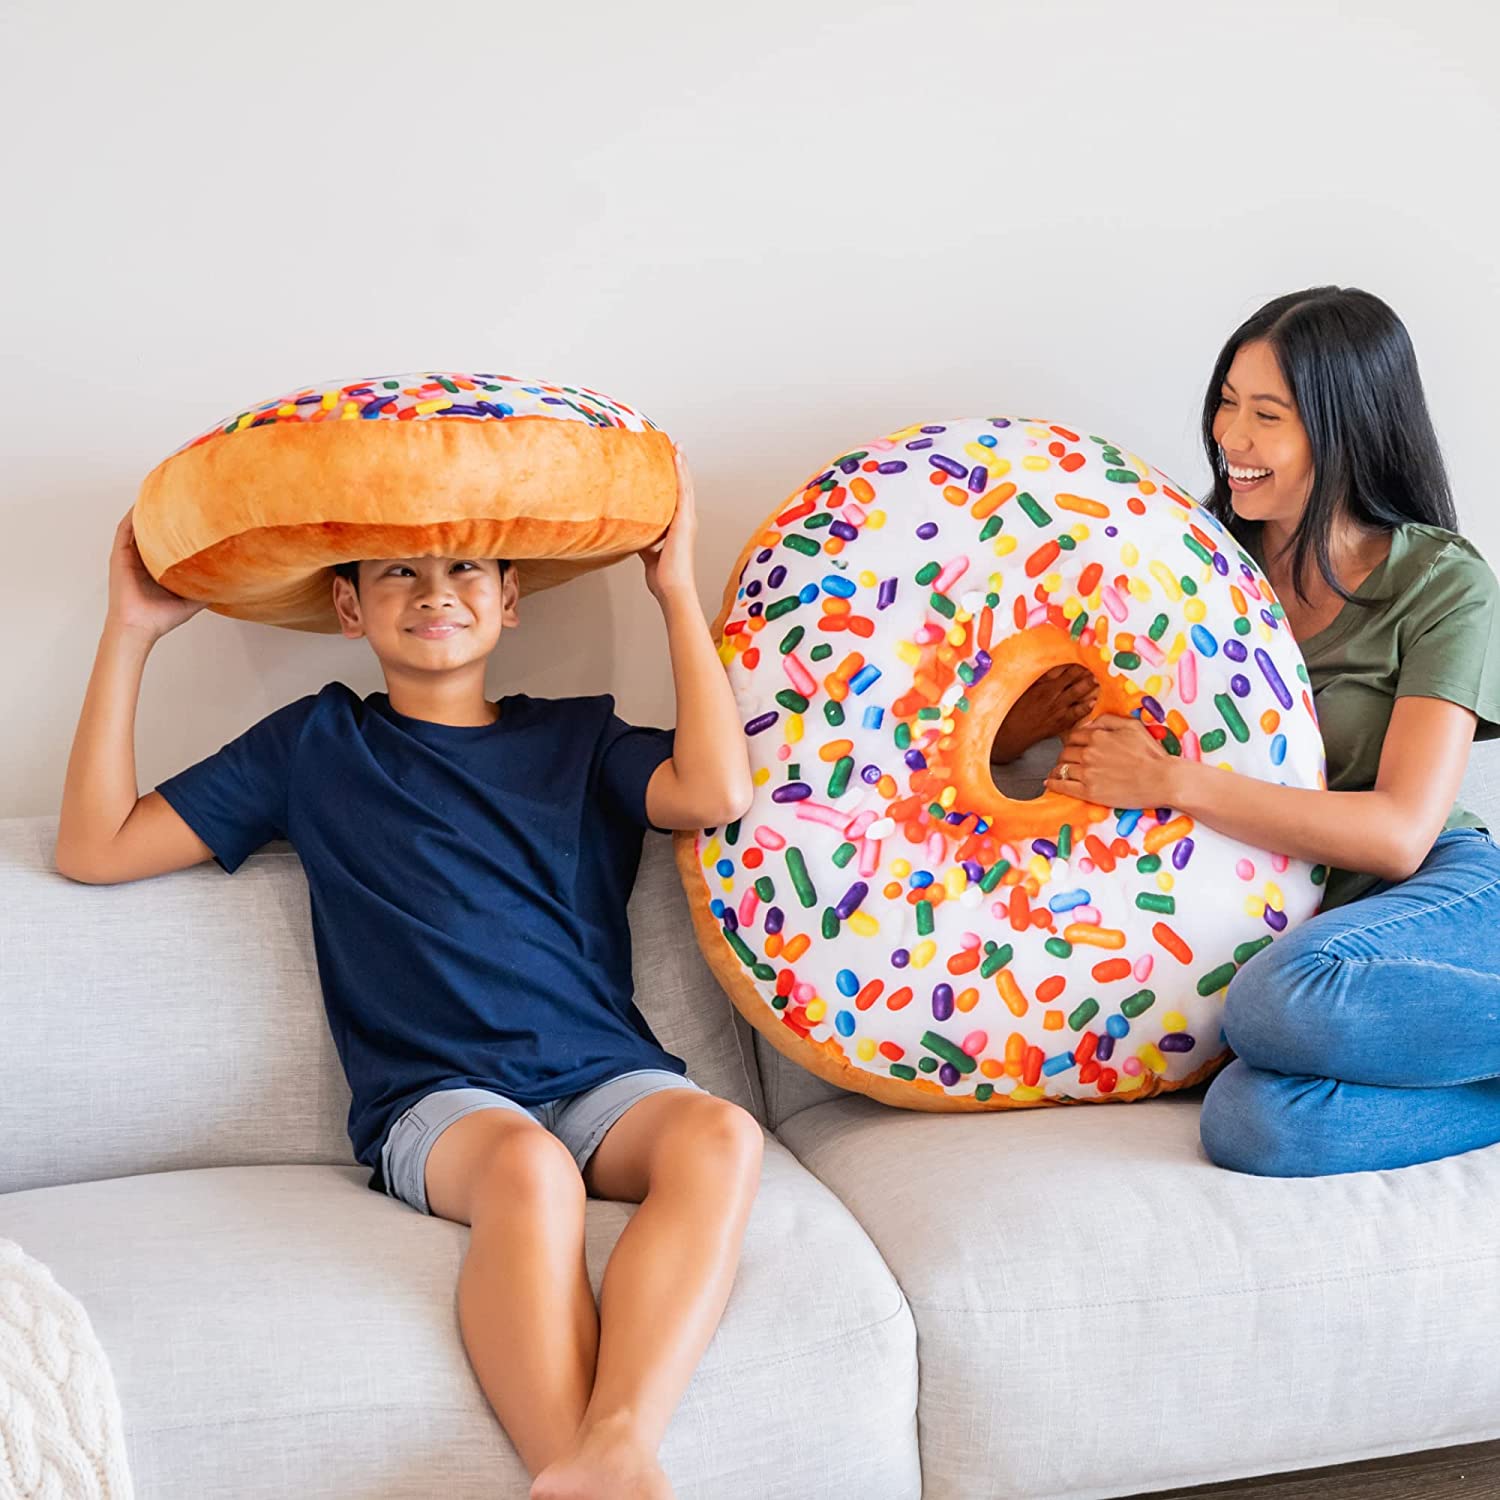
[
  {"x": 706, "y": 780},
  {"x": 106, "y": 833}
]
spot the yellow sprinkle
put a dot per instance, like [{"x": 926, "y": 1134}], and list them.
[
  {"x": 424, "y": 408},
  {"x": 1072, "y": 608},
  {"x": 1140, "y": 589},
  {"x": 955, "y": 882},
  {"x": 1154, "y": 686},
  {"x": 1273, "y": 895},
  {"x": 875, "y": 520},
  {"x": 289, "y": 409},
  {"x": 1039, "y": 867},
  {"x": 1174, "y": 1020},
  {"x": 900, "y": 868},
  {"x": 1129, "y": 1082},
  {"x": 1027, "y": 1091},
  {"x": 1150, "y": 1055},
  {"x": 1169, "y": 584},
  {"x": 1194, "y": 611},
  {"x": 909, "y": 653},
  {"x": 1052, "y": 582},
  {"x": 1254, "y": 906},
  {"x": 793, "y": 728},
  {"x": 957, "y": 634},
  {"x": 1005, "y": 545},
  {"x": 868, "y": 580},
  {"x": 762, "y": 776},
  {"x": 1036, "y": 462},
  {"x": 726, "y": 652},
  {"x": 1164, "y": 882},
  {"x": 351, "y": 410},
  {"x": 329, "y": 397},
  {"x": 864, "y": 1049},
  {"x": 1081, "y": 532},
  {"x": 817, "y": 1009},
  {"x": 864, "y": 924},
  {"x": 1130, "y": 554},
  {"x": 948, "y": 796},
  {"x": 923, "y": 953},
  {"x": 1179, "y": 645},
  {"x": 711, "y": 852}
]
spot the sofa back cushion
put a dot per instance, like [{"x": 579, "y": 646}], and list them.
[{"x": 178, "y": 1022}]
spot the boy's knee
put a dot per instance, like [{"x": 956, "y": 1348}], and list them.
[
  {"x": 720, "y": 1135},
  {"x": 528, "y": 1170}
]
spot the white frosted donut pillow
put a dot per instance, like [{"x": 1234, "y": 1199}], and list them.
[{"x": 884, "y": 913}]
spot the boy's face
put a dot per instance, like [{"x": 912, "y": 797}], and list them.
[{"x": 428, "y": 614}]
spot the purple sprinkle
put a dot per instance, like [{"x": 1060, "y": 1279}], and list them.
[
  {"x": 1221, "y": 565},
  {"x": 762, "y": 722},
  {"x": 1240, "y": 685},
  {"x": 793, "y": 791},
  {"x": 916, "y": 760},
  {"x": 1235, "y": 650},
  {"x": 1176, "y": 1041},
  {"x": 1162, "y": 814},
  {"x": 752, "y": 588},
  {"x": 942, "y": 1002},
  {"x": 844, "y": 531},
  {"x": 1106, "y": 1048},
  {"x": 306, "y": 400},
  {"x": 974, "y": 870},
  {"x": 954, "y": 817},
  {"x": 1045, "y": 847},
  {"x": 1270, "y": 619},
  {"x": 948, "y": 1075},
  {"x": 979, "y": 476},
  {"x": 849, "y": 465},
  {"x": 983, "y": 660},
  {"x": 1272, "y": 676},
  {"x": 852, "y": 897},
  {"x": 900, "y": 958},
  {"x": 870, "y": 775},
  {"x": 765, "y": 555},
  {"x": 927, "y": 530},
  {"x": 999, "y": 422},
  {"x": 756, "y": 610},
  {"x": 949, "y": 465},
  {"x": 1153, "y": 708},
  {"x": 731, "y": 921},
  {"x": 917, "y": 444},
  {"x": 1182, "y": 852},
  {"x": 775, "y": 917},
  {"x": 1111, "y": 531},
  {"x": 934, "y": 429},
  {"x": 1275, "y": 919},
  {"x": 822, "y": 478},
  {"x": 776, "y": 577},
  {"x": 892, "y": 466},
  {"x": 887, "y": 595}
]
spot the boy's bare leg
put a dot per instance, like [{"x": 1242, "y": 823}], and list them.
[
  {"x": 525, "y": 1306},
  {"x": 692, "y": 1162}
]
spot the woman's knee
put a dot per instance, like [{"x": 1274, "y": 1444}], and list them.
[
  {"x": 1258, "y": 1122},
  {"x": 1273, "y": 999}
]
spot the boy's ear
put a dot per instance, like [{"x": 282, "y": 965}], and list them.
[
  {"x": 346, "y": 605},
  {"x": 510, "y": 595}
]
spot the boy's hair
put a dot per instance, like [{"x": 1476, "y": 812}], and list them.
[{"x": 350, "y": 570}]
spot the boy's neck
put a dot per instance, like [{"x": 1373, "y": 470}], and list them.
[{"x": 455, "y": 698}]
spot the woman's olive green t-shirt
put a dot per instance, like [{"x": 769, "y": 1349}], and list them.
[{"x": 1435, "y": 634}]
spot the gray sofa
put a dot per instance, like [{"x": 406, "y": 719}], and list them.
[{"x": 1067, "y": 1302}]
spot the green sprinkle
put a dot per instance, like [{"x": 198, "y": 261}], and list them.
[
  {"x": 903, "y": 736},
  {"x": 1198, "y": 549},
  {"x": 843, "y": 854},
  {"x": 943, "y": 605},
  {"x": 984, "y": 1092},
  {"x": 1246, "y": 951},
  {"x": 818, "y": 521},
  {"x": 903, "y": 1072},
  {"x": 763, "y": 972},
  {"x": 1319, "y": 874},
  {"x": 1158, "y": 627},
  {"x": 1213, "y": 740},
  {"x": 1080, "y": 624},
  {"x": 1065, "y": 841},
  {"x": 992, "y": 877},
  {"x": 838, "y": 783},
  {"x": 821, "y": 652},
  {"x": 796, "y": 867},
  {"x": 765, "y": 888},
  {"x": 783, "y": 607},
  {"x": 927, "y": 573},
  {"x": 1165, "y": 905},
  {"x": 736, "y": 942},
  {"x": 948, "y": 1052},
  {"x": 995, "y": 962},
  {"x": 1058, "y": 947},
  {"x": 1127, "y": 661},
  {"x": 1034, "y": 512},
  {"x": 989, "y": 529},
  {"x": 803, "y": 544},
  {"x": 928, "y": 1064},
  {"x": 792, "y": 700},
  {"x": 1148, "y": 864},
  {"x": 1122, "y": 476},
  {"x": 1138, "y": 1004},
  {"x": 924, "y": 918},
  {"x": 1085, "y": 1013},
  {"x": 1216, "y": 979},
  {"x": 830, "y": 923},
  {"x": 834, "y": 713},
  {"x": 1231, "y": 716}
]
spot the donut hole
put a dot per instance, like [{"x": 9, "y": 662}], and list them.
[
  {"x": 1024, "y": 779},
  {"x": 1051, "y": 704}
]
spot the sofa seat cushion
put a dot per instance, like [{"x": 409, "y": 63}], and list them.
[
  {"x": 281, "y": 1331},
  {"x": 1102, "y": 1311}
]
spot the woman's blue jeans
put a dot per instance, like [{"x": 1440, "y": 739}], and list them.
[{"x": 1369, "y": 1037}]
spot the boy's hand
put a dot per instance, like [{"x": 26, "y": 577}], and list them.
[
  {"x": 1051, "y": 706},
  {"x": 669, "y": 562},
  {"x": 137, "y": 601}
]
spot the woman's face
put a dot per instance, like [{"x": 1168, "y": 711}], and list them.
[{"x": 1262, "y": 438}]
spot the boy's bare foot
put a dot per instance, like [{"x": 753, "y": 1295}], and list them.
[{"x": 608, "y": 1462}]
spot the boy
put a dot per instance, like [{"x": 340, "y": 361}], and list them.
[{"x": 468, "y": 866}]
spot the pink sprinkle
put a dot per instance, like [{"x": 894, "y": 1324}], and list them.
[
  {"x": 1037, "y": 616},
  {"x": 1187, "y": 677},
  {"x": 999, "y": 909},
  {"x": 1190, "y": 748},
  {"x": 869, "y": 856},
  {"x": 970, "y": 940},
  {"x": 853, "y": 514},
  {"x": 748, "y": 902},
  {"x": 783, "y": 752},
  {"x": 1131, "y": 1065},
  {"x": 820, "y": 812},
  {"x": 925, "y": 635},
  {"x": 1085, "y": 914},
  {"x": 935, "y": 848},
  {"x": 1113, "y": 602},
  {"x": 768, "y": 838},
  {"x": 802, "y": 679},
  {"x": 1279, "y": 863},
  {"x": 804, "y": 992},
  {"x": 950, "y": 574},
  {"x": 1085, "y": 865},
  {"x": 976, "y": 1042},
  {"x": 1245, "y": 870},
  {"x": 1143, "y": 966},
  {"x": 1148, "y": 649},
  {"x": 855, "y": 829}
]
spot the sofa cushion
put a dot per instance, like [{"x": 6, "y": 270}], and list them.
[
  {"x": 1101, "y": 1311},
  {"x": 279, "y": 1331},
  {"x": 178, "y": 1022}
]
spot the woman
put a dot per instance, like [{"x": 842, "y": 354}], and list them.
[{"x": 1368, "y": 1037}]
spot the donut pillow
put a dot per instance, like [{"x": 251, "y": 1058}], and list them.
[
  {"x": 884, "y": 913},
  {"x": 251, "y": 515}
]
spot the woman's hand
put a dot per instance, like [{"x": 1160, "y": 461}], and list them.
[
  {"x": 1052, "y": 705},
  {"x": 1115, "y": 762},
  {"x": 669, "y": 562},
  {"x": 137, "y": 602}
]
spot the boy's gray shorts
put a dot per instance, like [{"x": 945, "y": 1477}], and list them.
[{"x": 579, "y": 1121}]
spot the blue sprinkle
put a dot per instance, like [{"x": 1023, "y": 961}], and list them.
[
  {"x": 864, "y": 678},
  {"x": 842, "y": 588},
  {"x": 844, "y": 1021},
  {"x": 1204, "y": 641},
  {"x": 725, "y": 867},
  {"x": 1278, "y": 749},
  {"x": 847, "y": 982},
  {"x": 873, "y": 717},
  {"x": 1059, "y": 1064},
  {"x": 1117, "y": 1027},
  {"x": 1068, "y": 900}
]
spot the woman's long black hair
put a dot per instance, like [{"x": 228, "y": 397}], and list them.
[{"x": 1353, "y": 373}]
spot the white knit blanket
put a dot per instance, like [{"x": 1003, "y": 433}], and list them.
[{"x": 61, "y": 1431}]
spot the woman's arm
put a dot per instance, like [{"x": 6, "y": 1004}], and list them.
[
  {"x": 1387, "y": 831},
  {"x": 707, "y": 779}
]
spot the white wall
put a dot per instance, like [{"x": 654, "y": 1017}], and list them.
[{"x": 780, "y": 229}]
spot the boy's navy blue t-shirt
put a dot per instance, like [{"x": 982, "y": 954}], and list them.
[{"x": 468, "y": 887}]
